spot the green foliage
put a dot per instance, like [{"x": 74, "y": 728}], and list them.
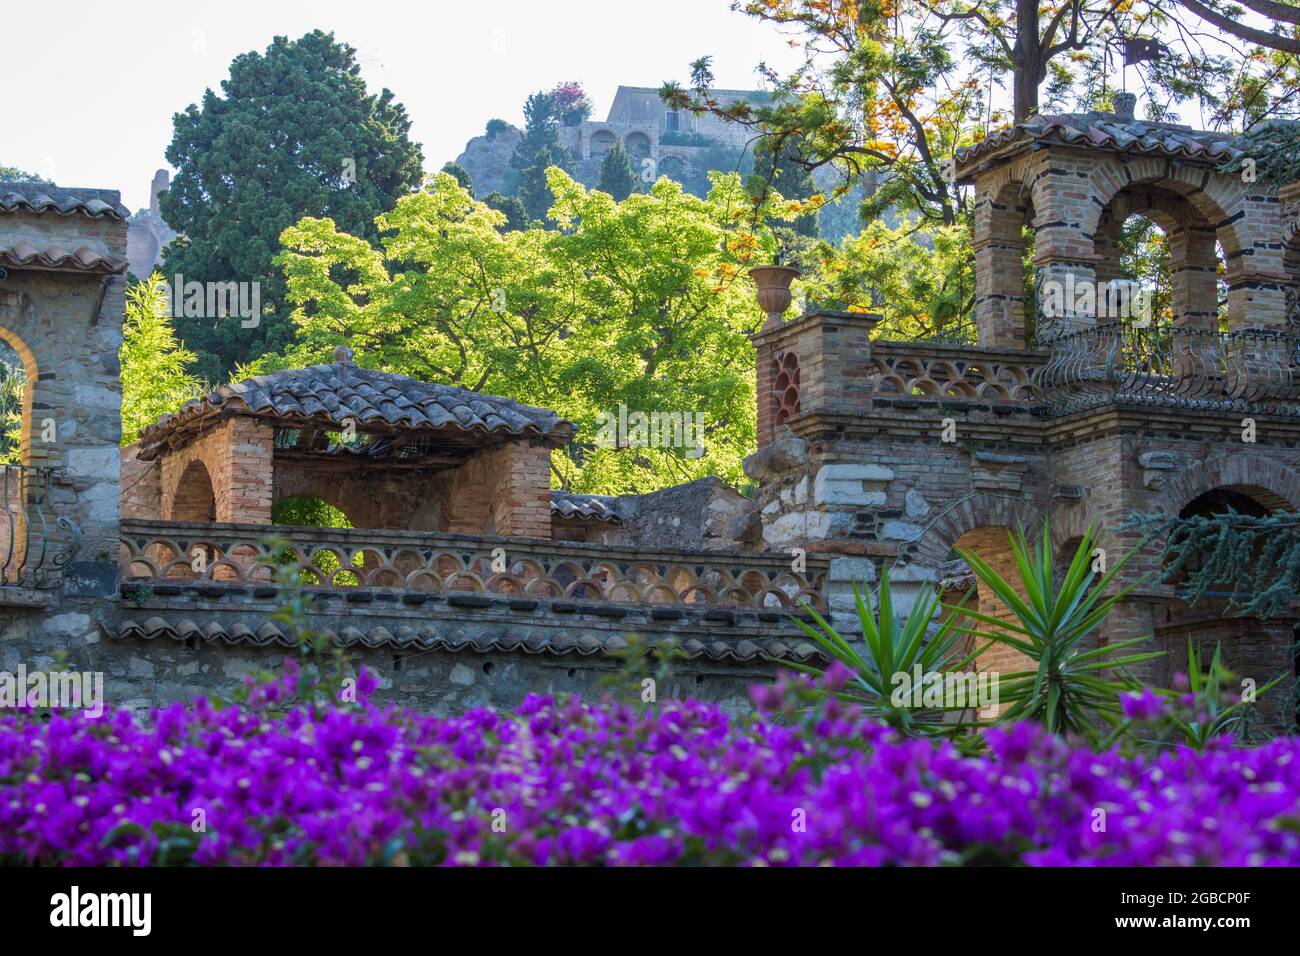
[
  {"x": 13, "y": 389},
  {"x": 891, "y": 647},
  {"x": 461, "y": 175},
  {"x": 923, "y": 289},
  {"x": 643, "y": 303},
  {"x": 1275, "y": 148},
  {"x": 1214, "y": 710},
  {"x": 12, "y": 174},
  {"x": 616, "y": 174},
  {"x": 1253, "y": 561},
  {"x": 155, "y": 376},
  {"x": 495, "y": 127},
  {"x": 777, "y": 166},
  {"x": 309, "y": 512},
  {"x": 277, "y": 144},
  {"x": 1066, "y": 691},
  {"x": 534, "y": 190},
  {"x": 681, "y": 137},
  {"x": 541, "y": 131},
  {"x": 511, "y": 208}
]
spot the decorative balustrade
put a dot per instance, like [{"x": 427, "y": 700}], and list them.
[
  {"x": 929, "y": 370},
  {"x": 35, "y": 543},
  {"x": 1161, "y": 365},
  {"x": 426, "y": 561}
]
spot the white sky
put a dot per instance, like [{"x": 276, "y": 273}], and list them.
[{"x": 94, "y": 86}]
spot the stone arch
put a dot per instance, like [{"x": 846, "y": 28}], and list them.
[
  {"x": 1291, "y": 266},
  {"x": 1201, "y": 189},
  {"x": 674, "y": 167},
  {"x": 1193, "y": 249},
  {"x": 600, "y": 143},
  {"x": 1273, "y": 485},
  {"x": 192, "y": 496},
  {"x": 982, "y": 509},
  {"x": 637, "y": 145}
]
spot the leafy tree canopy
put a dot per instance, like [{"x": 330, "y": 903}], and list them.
[
  {"x": 293, "y": 133},
  {"x": 155, "y": 376},
  {"x": 643, "y": 303},
  {"x": 616, "y": 174}
]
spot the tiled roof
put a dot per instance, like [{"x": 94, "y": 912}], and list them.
[
  {"x": 426, "y": 637},
  {"x": 1108, "y": 131},
  {"x": 23, "y": 255},
  {"x": 43, "y": 198},
  {"x": 568, "y": 504},
  {"x": 331, "y": 395}
]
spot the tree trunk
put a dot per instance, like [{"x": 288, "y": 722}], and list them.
[{"x": 1028, "y": 61}]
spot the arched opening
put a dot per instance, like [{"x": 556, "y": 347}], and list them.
[
  {"x": 194, "y": 499},
  {"x": 308, "y": 511},
  {"x": 327, "y": 565},
  {"x": 1253, "y": 649},
  {"x": 992, "y": 545},
  {"x": 1169, "y": 251},
  {"x": 674, "y": 167},
  {"x": 602, "y": 141},
  {"x": 13, "y": 404},
  {"x": 637, "y": 146}
]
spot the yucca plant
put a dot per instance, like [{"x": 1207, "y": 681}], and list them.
[
  {"x": 1067, "y": 690},
  {"x": 1208, "y": 717},
  {"x": 891, "y": 647}
]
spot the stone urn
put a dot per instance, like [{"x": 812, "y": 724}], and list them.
[{"x": 773, "y": 284}]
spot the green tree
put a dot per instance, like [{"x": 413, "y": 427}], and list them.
[
  {"x": 461, "y": 175},
  {"x": 293, "y": 133},
  {"x": 12, "y": 174},
  {"x": 777, "y": 166},
  {"x": 642, "y": 303},
  {"x": 511, "y": 208},
  {"x": 541, "y": 131},
  {"x": 534, "y": 189},
  {"x": 616, "y": 174},
  {"x": 155, "y": 379}
]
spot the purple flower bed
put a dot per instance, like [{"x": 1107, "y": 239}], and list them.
[{"x": 567, "y": 782}]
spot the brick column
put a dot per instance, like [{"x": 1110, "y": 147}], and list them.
[
  {"x": 1194, "y": 260},
  {"x": 521, "y": 506},
  {"x": 999, "y": 273}
]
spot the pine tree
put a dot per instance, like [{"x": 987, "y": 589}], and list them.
[
  {"x": 616, "y": 174},
  {"x": 461, "y": 175},
  {"x": 516, "y": 216},
  {"x": 534, "y": 192}
]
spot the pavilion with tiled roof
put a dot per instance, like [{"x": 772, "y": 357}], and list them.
[{"x": 387, "y": 450}]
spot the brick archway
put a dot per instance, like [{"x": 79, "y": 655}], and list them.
[
  {"x": 1273, "y": 485},
  {"x": 191, "y": 495},
  {"x": 980, "y": 510}
]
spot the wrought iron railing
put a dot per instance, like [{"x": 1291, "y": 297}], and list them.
[
  {"x": 330, "y": 559},
  {"x": 35, "y": 543},
  {"x": 1120, "y": 363}
]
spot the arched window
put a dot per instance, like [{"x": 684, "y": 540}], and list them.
[{"x": 13, "y": 393}]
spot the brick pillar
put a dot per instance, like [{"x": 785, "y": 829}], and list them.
[
  {"x": 521, "y": 505},
  {"x": 999, "y": 273},
  {"x": 1065, "y": 254},
  {"x": 241, "y": 471},
  {"x": 1193, "y": 262}
]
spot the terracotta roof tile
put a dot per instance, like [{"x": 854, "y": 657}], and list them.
[
  {"x": 330, "y": 395},
  {"x": 1105, "y": 130},
  {"x": 428, "y": 637},
  {"x": 569, "y": 504},
  {"x": 55, "y": 258},
  {"x": 43, "y": 198}
]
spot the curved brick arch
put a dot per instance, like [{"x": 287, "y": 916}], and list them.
[
  {"x": 978, "y": 511},
  {"x": 1273, "y": 485},
  {"x": 1201, "y": 190}
]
